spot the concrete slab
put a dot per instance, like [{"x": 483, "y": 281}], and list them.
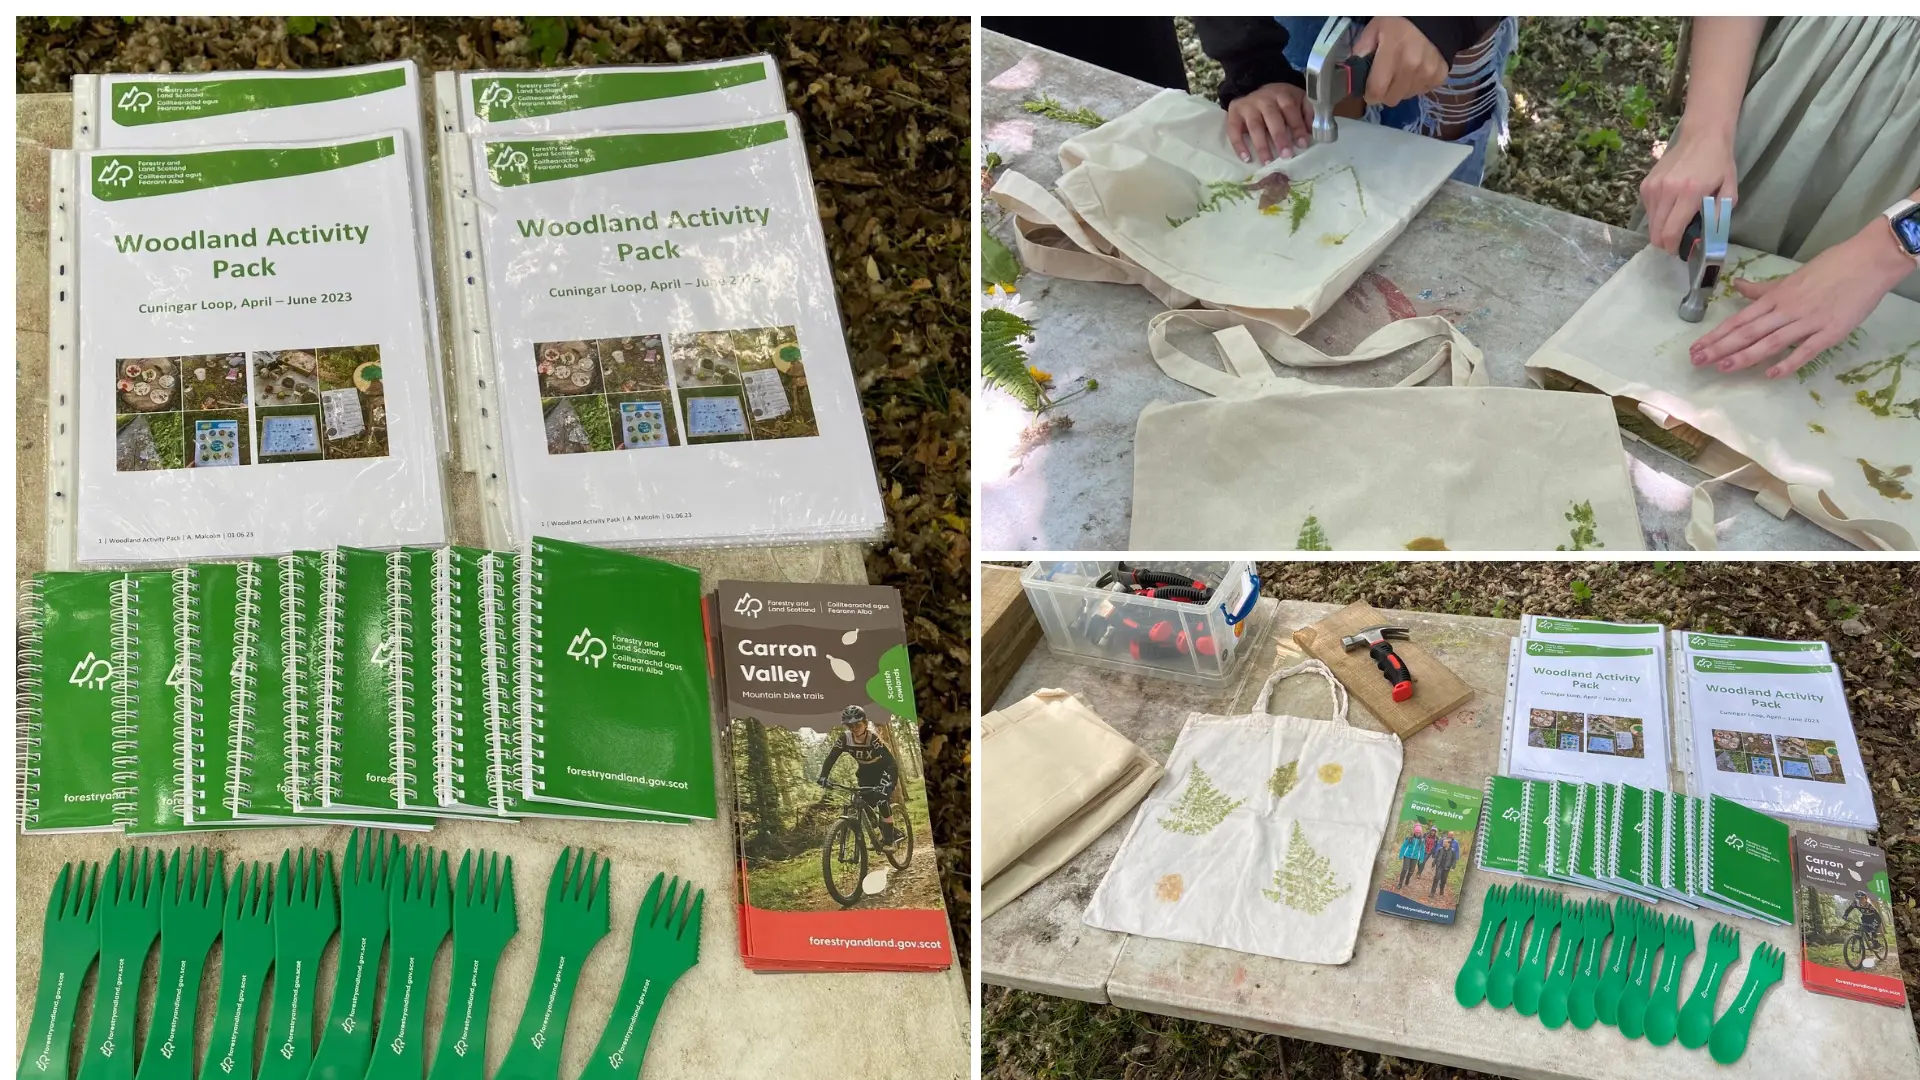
[
  {"x": 722, "y": 1020},
  {"x": 1396, "y": 995},
  {"x": 1506, "y": 271}
]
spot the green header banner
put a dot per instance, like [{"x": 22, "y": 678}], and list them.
[
  {"x": 117, "y": 177},
  {"x": 1576, "y": 626},
  {"x": 1561, "y": 648},
  {"x": 1720, "y": 643},
  {"x": 165, "y": 101},
  {"x": 508, "y": 97},
  {"x": 1730, "y": 666},
  {"x": 512, "y": 163}
]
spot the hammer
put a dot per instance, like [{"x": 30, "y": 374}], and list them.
[
  {"x": 1334, "y": 74},
  {"x": 1704, "y": 246},
  {"x": 1379, "y": 642}
]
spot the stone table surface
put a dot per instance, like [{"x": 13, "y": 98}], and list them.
[
  {"x": 1507, "y": 272},
  {"x": 721, "y": 1020},
  {"x": 1396, "y": 995}
]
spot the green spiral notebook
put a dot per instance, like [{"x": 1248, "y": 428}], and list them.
[
  {"x": 163, "y": 704},
  {"x": 614, "y": 706},
  {"x": 69, "y": 638}
]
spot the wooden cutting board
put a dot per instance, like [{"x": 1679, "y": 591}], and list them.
[{"x": 1437, "y": 691}]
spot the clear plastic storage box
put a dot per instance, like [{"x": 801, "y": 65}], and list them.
[{"x": 1091, "y": 623}]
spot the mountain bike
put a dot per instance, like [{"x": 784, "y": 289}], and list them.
[
  {"x": 1861, "y": 943},
  {"x": 843, "y": 860}
]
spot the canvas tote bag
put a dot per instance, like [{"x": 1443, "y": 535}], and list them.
[
  {"x": 1262, "y": 835},
  {"x": 1839, "y": 441},
  {"x": 1278, "y": 463},
  {"x": 1054, "y": 776},
  {"x": 1158, "y": 198}
]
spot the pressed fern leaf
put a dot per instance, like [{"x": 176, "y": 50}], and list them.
[{"x": 1003, "y": 360}]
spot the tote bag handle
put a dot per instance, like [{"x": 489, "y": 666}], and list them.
[
  {"x": 1339, "y": 692},
  {"x": 1887, "y": 535},
  {"x": 1036, "y": 210},
  {"x": 1246, "y": 344}
]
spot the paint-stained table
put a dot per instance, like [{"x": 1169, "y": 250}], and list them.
[
  {"x": 1396, "y": 995},
  {"x": 1506, "y": 271}
]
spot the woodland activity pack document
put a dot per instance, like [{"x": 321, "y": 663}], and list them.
[
  {"x": 179, "y": 110},
  {"x": 254, "y": 366},
  {"x": 1769, "y": 727},
  {"x": 671, "y": 366},
  {"x": 1587, "y": 702}
]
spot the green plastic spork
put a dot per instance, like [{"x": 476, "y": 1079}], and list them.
[
  {"x": 305, "y": 915},
  {"x": 574, "y": 921},
  {"x": 129, "y": 923},
  {"x": 1470, "y": 986},
  {"x": 484, "y": 920},
  {"x": 1559, "y": 985},
  {"x": 666, "y": 945},
  {"x": 1735, "y": 1026},
  {"x": 70, "y": 941},
  {"x": 190, "y": 909},
  {"x": 1506, "y": 962},
  {"x": 1533, "y": 969},
  {"x": 1651, "y": 939},
  {"x": 347, "y": 1045},
  {"x": 1613, "y": 979},
  {"x": 422, "y": 916},
  {"x": 1581, "y": 1008},
  {"x": 1663, "y": 1010},
  {"x": 1696, "y": 1016},
  {"x": 246, "y": 952}
]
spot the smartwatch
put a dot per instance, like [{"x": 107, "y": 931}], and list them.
[{"x": 1904, "y": 216}]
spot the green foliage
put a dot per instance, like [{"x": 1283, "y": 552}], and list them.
[
  {"x": 1003, "y": 360},
  {"x": 1046, "y": 106},
  {"x": 1638, "y": 105},
  {"x": 169, "y": 440},
  {"x": 1305, "y": 882},
  {"x": 1201, "y": 808},
  {"x": 62, "y": 22},
  {"x": 307, "y": 25},
  {"x": 993, "y": 160},
  {"x": 1500, "y": 607},
  {"x": 1827, "y": 356},
  {"x": 1882, "y": 402},
  {"x": 998, "y": 266},
  {"x": 1223, "y": 192},
  {"x": 1284, "y": 778},
  {"x": 1582, "y": 593},
  {"x": 1582, "y": 534},
  {"x": 1594, "y": 24},
  {"x": 1841, "y": 610},
  {"x": 1312, "y": 537},
  {"x": 547, "y": 34},
  {"x": 1602, "y": 141},
  {"x": 1674, "y": 572}
]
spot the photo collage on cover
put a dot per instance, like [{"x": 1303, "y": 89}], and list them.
[
  {"x": 259, "y": 408},
  {"x": 646, "y": 392},
  {"x": 1754, "y": 753},
  {"x": 1592, "y": 733}
]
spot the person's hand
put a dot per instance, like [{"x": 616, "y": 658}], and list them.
[
  {"x": 1405, "y": 63},
  {"x": 1698, "y": 165},
  {"x": 1810, "y": 310},
  {"x": 1272, "y": 122}
]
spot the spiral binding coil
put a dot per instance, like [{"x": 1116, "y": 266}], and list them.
[
  {"x": 491, "y": 586},
  {"x": 326, "y": 698},
  {"x": 448, "y": 672},
  {"x": 533, "y": 740},
  {"x": 246, "y": 658},
  {"x": 1617, "y": 803},
  {"x": 189, "y": 752},
  {"x": 1526, "y": 824},
  {"x": 123, "y": 615},
  {"x": 293, "y": 662},
  {"x": 400, "y": 697},
  {"x": 27, "y": 664}
]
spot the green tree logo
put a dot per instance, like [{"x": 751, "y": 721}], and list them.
[
  {"x": 1305, "y": 882},
  {"x": 1201, "y": 807}
]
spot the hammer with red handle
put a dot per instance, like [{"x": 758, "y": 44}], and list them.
[{"x": 1379, "y": 642}]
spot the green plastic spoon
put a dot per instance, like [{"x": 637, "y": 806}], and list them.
[
  {"x": 1730, "y": 1032},
  {"x": 70, "y": 940},
  {"x": 1639, "y": 989},
  {"x": 1470, "y": 986},
  {"x": 246, "y": 952},
  {"x": 484, "y": 920},
  {"x": 1663, "y": 1010},
  {"x": 574, "y": 921},
  {"x": 1506, "y": 962},
  {"x": 1613, "y": 979},
  {"x": 422, "y": 916},
  {"x": 1696, "y": 1016},
  {"x": 129, "y": 923},
  {"x": 347, "y": 1045},
  {"x": 305, "y": 915},
  {"x": 666, "y": 945},
  {"x": 1558, "y": 989},
  {"x": 1586, "y": 982},
  {"x": 190, "y": 908},
  {"x": 1533, "y": 969}
]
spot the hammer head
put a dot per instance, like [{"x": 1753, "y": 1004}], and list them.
[
  {"x": 1373, "y": 635},
  {"x": 1704, "y": 246},
  {"x": 1326, "y": 81}
]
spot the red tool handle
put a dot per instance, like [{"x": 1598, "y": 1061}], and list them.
[{"x": 1393, "y": 669}]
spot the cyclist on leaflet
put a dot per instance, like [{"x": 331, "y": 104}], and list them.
[
  {"x": 875, "y": 771},
  {"x": 1869, "y": 913}
]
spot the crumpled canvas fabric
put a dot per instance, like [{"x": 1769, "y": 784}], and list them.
[
  {"x": 1158, "y": 198},
  {"x": 1837, "y": 442},
  {"x": 1261, "y": 837},
  {"x": 1278, "y": 463}
]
